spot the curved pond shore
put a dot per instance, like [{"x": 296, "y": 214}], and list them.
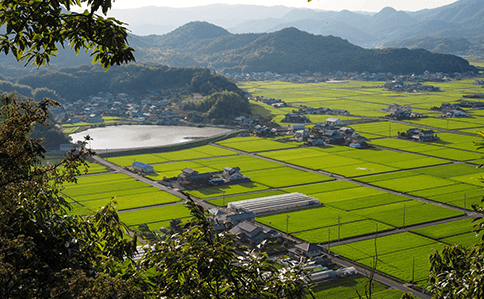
[{"x": 141, "y": 136}]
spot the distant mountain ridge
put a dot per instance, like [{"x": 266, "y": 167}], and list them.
[
  {"x": 286, "y": 51},
  {"x": 463, "y": 19}
]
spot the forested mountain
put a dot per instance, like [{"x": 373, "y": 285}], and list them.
[
  {"x": 445, "y": 45},
  {"x": 135, "y": 79},
  {"x": 288, "y": 50}
]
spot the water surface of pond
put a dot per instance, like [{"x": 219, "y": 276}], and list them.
[{"x": 136, "y": 136}]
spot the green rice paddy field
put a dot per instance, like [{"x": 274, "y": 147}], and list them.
[
  {"x": 92, "y": 192},
  {"x": 375, "y": 197}
]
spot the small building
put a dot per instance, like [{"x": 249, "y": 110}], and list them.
[
  {"x": 295, "y": 118},
  {"x": 347, "y": 130},
  {"x": 418, "y": 134},
  {"x": 334, "y": 121},
  {"x": 249, "y": 232},
  {"x": 344, "y": 272},
  {"x": 454, "y": 113},
  {"x": 232, "y": 173},
  {"x": 192, "y": 177},
  {"x": 142, "y": 167},
  {"x": 315, "y": 141},
  {"x": 297, "y": 127},
  {"x": 301, "y": 135},
  {"x": 306, "y": 250}
]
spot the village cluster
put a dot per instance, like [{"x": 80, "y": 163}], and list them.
[
  {"x": 337, "y": 76},
  {"x": 154, "y": 109}
]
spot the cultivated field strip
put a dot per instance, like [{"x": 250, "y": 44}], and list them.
[{"x": 95, "y": 191}]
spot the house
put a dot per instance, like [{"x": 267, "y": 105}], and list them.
[
  {"x": 340, "y": 112},
  {"x": 301, "y": 135},
  {"x": 448, "y": 106},
  {"x": 295, "y": 118},
  {"x": 315, "y": 141},
  {"x": 305, "y": 250},
  {"x": 322, "y": 126},
  {"x": 419, "y": 134},
  {"x": 454, "y": 113},
  {"x": 232, "y": 173},
  {"x": 333, "y": 137},
  {"x": 192, "y": 177},
  {"x": 398, "y": 111},
  {"x": 417, "y": 115},
  {"x": 333, "y": 121},
  {"x": 249, "y": 232},
  {"x": 296, "y": 127},
  {"x": 142, "y": 167},
  {"x": 346, "y": 131}
]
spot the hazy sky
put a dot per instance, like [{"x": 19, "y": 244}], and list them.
[{"x": 336, "y": 5}]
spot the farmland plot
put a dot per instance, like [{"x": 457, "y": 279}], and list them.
[
  {"x": 414, "y": 183},
  {"x": 395, "y": 254},
  {"x": 336, "y": 232},
  {"x": 285, "y": 176},
  {"x": 323, "y": 187},
  {"x": 227, "y": 190},
  {"x": 206, "y": 151},
  {"x": 154, "y": 216},
  {"x": 446, "y": 230},
  {"x": 407, "y": 213},
  {"x": 348, "y": 287},
  {"x": 308, "y": 219},
  {"x": 92, "y": 192},
  {"x": 257, "y": 145}
]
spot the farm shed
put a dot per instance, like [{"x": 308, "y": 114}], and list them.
[
  {"x": 273, "y": 203},
  {"x": 142, "y": 167}
]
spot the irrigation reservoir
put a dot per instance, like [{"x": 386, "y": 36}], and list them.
[{"x": 137, "y": 136}]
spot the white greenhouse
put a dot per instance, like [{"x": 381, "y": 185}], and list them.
[{"x": 275, "y": 203}]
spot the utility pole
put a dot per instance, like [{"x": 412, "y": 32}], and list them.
[
  {"x": 287, "y": 224},
  {"x": 413, "y": 272},
  {"x": 223, "y": 198},
  {"x": 403, "y": 215},
  {"x": 329, "y": 239},
  {"x": 339, "y": 227},
  {"x": 389, "y": 130}
]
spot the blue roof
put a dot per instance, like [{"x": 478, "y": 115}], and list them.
[{"x": 141, "y": 164}]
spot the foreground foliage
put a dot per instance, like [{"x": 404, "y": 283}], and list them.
[
  {"x": 457, "y": 271},
  {"x": 35, "y": 29}
]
